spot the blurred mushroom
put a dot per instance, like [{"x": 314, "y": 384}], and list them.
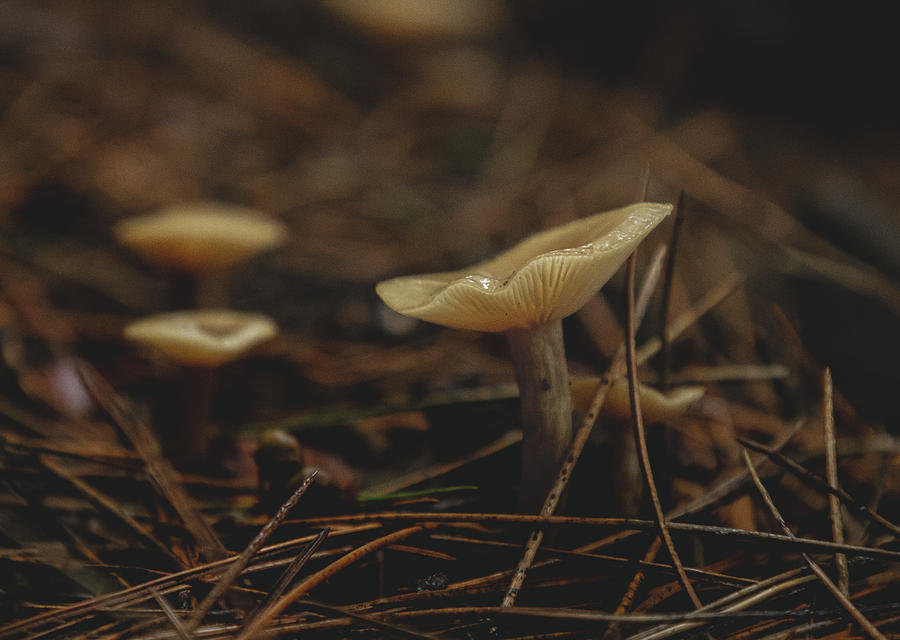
[
  {"x": 525, "y": 293},
  {"x": 199, "y": 241},
  {"x": 200, "y": 341},
  {"x": 656, "y": 407}
]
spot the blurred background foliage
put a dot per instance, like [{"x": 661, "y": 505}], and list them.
[{"x": 403, "y": 136}]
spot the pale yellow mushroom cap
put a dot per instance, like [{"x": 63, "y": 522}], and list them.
[
  {"x": 656, "y": 406},
  {"x": 546, "y": 277},
  {"x": 200, "y": 236},
  {"x": 203, "y": 337}
]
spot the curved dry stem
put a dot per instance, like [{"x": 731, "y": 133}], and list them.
[{"x": 641, "y": 438}]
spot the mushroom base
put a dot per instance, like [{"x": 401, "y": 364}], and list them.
[{"x": 540, "y": 362}]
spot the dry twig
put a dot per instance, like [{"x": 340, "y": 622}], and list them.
[
  {"x": 665, "y": 305},
  {"x": 870, "y": 629},
  {"x": 641, "y": 438},
  {"x": 820, "y": 483},
  {"x": 831, "y": 474},
  {"x": 247, "y": 554},
  {"x": 287, "y": 576},
  {"x": 164, "y": 477},
  {"x": 259, "y": 622}
]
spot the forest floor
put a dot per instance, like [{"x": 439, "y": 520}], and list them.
[{"x": 398, "y": 440}]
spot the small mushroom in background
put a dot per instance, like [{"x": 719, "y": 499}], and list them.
[
  {"x": 283, "y": 463},
  {"x": 525, "y": 293},
  {"x": 200, "y": 241},
  {"x": 656, "y": 407},
  {"x": 200, "y": 340}
]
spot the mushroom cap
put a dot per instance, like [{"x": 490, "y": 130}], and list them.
[
  {"x": 548, "y": 276},
  {"x": 203, "y": 337},
  {"x": 656, "y": 406},
  {"x": 200, "y": 236}
]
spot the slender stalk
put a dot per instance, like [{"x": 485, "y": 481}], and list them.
[
  {"x": 185, "y": 288},
  {"x": 196, "y": 429},
  {"x": 192, "y": 290},
  {"x": 665, "y": 307},
  {"x": 539, "y": 358},
  {"x": 212, "y": 290}
]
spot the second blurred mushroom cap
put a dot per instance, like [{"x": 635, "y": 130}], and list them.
[
  {"x": 205, "y": 337},
  {"x": 656, "y": 406}
]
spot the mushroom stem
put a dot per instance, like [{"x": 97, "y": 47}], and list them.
[
  {"x": 212, "y": 290},
  {"x": 184, "y": 290},
  {"x": 199, "y": 290},
  {"x": 539, "y": 358},
  {"x": 196, "y": 429}
]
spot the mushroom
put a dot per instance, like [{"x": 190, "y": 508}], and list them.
[
  {"x": 200, "y": 341},
  {"x": 525, "y": 293},
  {"x": 199, "y": 239},
  {"x": 656, "y": 407}
]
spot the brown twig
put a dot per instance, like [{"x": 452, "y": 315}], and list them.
[
  {"x": 161, "y": 472},
  {"x": 641, "y": 193},
  {"x": 880, "y": 485},
  {"x": 634, "y": 524},
  {"x": 177, "y": 624},
  {"x": 736, "y": 601},
  {"x": 729, "y": 373},
  {"x": 99, "y": 453},
  {"x": 708, "y": 301},
  {"x": 819, "y": 483},
  {"x": 665, "y": 306},
  {"x": 641, "y": 437},
  {"x": 107, "y": 505},
  {"x": 247, "y": 554},
  {"x": 638, "y": 578},
  {"x": 724, "y": 488},
  {"x": 644, "y": 565},
  {"x": 468, "y": 587},
  {"x": 288, "y": 575},
  {"x": 651, "y": 279},
  {"x": 259, "y": 622},
  {"x": 831, "y": 475},
  {"x": 371, "y": 621},
  {"x": 139, "y": 592},
  {"x": 633, "y": 585},
  {"x": 841, "y": 405},
  {"x": 844, "y": 601},
  {"x": 584, "y": 615},
  {"x": 429, "y": 473}
]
